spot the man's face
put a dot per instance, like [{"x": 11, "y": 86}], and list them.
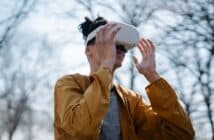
[{"x": 121, "y": 51}]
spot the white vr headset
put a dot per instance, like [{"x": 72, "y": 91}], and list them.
[{"x": 128, "y": 36}]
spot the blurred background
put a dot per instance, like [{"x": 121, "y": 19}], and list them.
[{"x": 40, "y": 42}]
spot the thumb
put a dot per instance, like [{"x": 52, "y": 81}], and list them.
[
  {"x": 135, "y": 60},
  {"x": 136, "y": 63}
]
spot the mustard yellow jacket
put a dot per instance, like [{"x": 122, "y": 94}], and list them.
[{"x": 81, "y": 103}]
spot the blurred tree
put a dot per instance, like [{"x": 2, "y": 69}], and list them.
[
  {"x": 188, "y": 43},
  {"x": 25, "y": 78},
  {"x": 15, "y": 13},
  {"x": 89, "y": 6}
]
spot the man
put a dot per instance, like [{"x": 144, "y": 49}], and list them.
[{"x": 92, "y": 107}]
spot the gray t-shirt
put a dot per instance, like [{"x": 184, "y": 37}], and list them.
[{"x": 111, "y": 124}]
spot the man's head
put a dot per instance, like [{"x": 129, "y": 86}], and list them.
[{"x": 89, "y": 26}]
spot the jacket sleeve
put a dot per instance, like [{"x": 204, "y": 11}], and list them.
[
  {"x": 165, "y": 118},
  {"x": 81, "y": 112}
]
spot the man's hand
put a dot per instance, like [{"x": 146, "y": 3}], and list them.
[
  {"x": 105, "y": 43},
  {"x": 147, "y": 66}
]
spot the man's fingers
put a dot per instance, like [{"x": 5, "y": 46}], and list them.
[
  {"x": 137, "y": 64},
  {"x": 110, "y": 25},
  {"x": 144, "y": 45},
  {"x": 148, "y": 46},
  {"x": 109, "y": 31},
  {"x": 140, "y": 47},
  {"x": 114, "y": 30},
  {"x": 152, "y": 45},
  {"x": 99, "y": 35}
]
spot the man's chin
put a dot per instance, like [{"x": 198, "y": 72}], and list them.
[{"x": 117, "y": 65}]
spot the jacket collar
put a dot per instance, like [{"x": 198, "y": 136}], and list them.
[{"x": 120, "y": 92}]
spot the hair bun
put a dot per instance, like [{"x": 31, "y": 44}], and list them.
[
  {"x": 85, "y": 26},
  {"x": 88, "y": 25}
]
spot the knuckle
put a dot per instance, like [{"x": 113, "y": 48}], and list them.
[{"x": 101, "y": 29}]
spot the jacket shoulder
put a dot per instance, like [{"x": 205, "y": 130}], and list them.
[{"x": 73, "y": 79}]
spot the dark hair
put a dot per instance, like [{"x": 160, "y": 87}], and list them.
[{"x": 88, "y": 26}]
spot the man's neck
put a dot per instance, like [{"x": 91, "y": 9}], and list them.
[{"x": 93, "y": 68}]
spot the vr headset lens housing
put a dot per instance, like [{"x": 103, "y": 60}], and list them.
[{"x": 128, "y": 36}]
